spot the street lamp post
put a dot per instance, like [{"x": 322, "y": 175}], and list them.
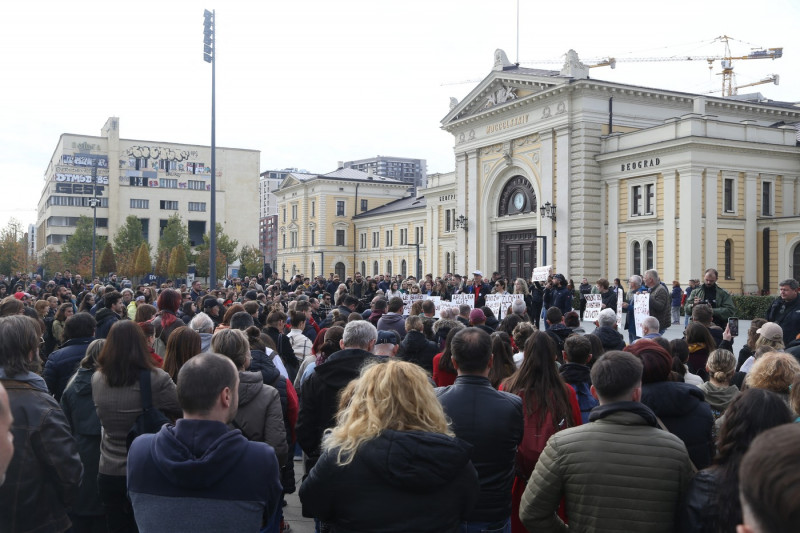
[
  {"x": 94, "y": 203},
  {"x": 417, "y": 266},
  {"x": 210, "y": 56}
]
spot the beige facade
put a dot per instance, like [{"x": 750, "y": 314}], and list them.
[
  {"x": 637, "y": 177},
  {"x": 316, "y": 219},
  {"x": 149, "y": 179}
]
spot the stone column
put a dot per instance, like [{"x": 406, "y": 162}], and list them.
[
  {"x": 750, "y": 282},
  {"x": 690, "y": 264},
  {"x": 670, "y": 229},
  {"x": 546, "y": 191},
  {"x": 461, "y": 209},
  {"x": 476, "y": 223},
  {"x": 562, "y": 230},
  {"x": 711, "y": 256},
  {"x": 612, "y": 216}
]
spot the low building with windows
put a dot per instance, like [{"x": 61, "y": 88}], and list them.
[
  {"x": 149, "y": 179},
  {"x": 316, "y": 212},
  {"x": 597, "y": 179}
]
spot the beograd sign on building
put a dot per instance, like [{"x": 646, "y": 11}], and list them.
[{"x": 644, "y": 163}]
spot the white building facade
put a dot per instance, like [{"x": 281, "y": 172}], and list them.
[{"x": 151, "y": 180}]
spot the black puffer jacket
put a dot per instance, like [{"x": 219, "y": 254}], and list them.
[
  {"x": 62, "y": 363},
  {"x": 683, "y": 409},
  {"x": 82, "y": 416},
  {"x": 319, "y": 396},
  {"x": 416, "y": 348},
  {"x": 492, "y": 422},
  {"x": 400, "y": 481},
  {"x": 610, "y": 338},
  {"x": 105, "y": 319}
]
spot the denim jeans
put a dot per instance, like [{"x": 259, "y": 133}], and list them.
[{"x": 486, "y": 527}]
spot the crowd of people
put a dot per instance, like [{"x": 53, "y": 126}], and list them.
[{"x": 127, "y": 407}]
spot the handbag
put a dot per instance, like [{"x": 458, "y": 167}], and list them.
[{"x": 151, "y": 420}]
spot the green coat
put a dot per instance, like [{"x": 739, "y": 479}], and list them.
[
  {"x": 618, "y": 473},
  {"x": 724, "y": 310}
]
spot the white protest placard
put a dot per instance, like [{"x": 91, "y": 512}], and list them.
[
  {"x": 619, "y": 308},
  {"x": 460, "y": 299},
  {"x": 594, "y": 303},
  {"x": 408, "y": 301},
  {"x": 541, "y": 273},
  {"x": 641, "y": 310},
  {"x": 499, "y": 304}
]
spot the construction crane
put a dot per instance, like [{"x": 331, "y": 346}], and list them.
[{"x": 726, "y": 62}]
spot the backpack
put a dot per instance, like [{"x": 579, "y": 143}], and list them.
[{"x": 586, "y": 401}]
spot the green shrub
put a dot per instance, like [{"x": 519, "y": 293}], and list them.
[{"x": 750, "y": 307}]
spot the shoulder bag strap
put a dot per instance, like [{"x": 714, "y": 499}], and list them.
[{"x": 144, "y": 389}]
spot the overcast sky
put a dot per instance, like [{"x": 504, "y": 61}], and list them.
[{"x": 313, "y": 82}]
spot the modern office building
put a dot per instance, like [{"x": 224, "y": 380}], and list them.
[
  {"x": 411, "y": 171},
  {"x": 268, "y": 183},
  {"x": 149, "y": 179}
]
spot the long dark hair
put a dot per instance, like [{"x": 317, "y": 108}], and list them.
[
  {"x": 538, "y": 382},
  {"x": 446, "y": 361},
  {"x": 330, "y": 343},
  {"x": 698, "y": 333},
  {"x": 182, "y": 344},
  {"x": 124, "y": 354},
  {"x": 749, "y": 414},
  {"x": 503, "y": 364}
]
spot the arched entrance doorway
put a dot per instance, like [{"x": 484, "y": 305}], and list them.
[{"x": 517, "y": 249}]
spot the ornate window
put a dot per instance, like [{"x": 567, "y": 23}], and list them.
[{"x": 517, "y": 197}]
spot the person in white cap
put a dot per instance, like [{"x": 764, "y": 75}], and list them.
[{"x": 478, "y": 288}]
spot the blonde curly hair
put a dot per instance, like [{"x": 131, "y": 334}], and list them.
[
  {"x": 773, "y": 371},
  {"x": 394, "y": 395}
]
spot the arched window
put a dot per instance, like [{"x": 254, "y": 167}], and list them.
[
  {"x": 729, "y": 259},
  {"x": 389, "y": 267},
  {"x": 375, "y": 268},
  {"x": 294, "y": 270},
  {"x": 649, "y": 257},
  {"x": 404, "y": 268},
  {"x": 418, "y": 274},
  {"x": 363, "y": 268},
  {"x": 636, "y": 267},
  {"x": 517, "y": 197},
  {"x": 796, "y": 262},
  {"x": 447, "y": 262},
  {"x": 283, "y": 271},
  {"x": 339, "y": 270}
]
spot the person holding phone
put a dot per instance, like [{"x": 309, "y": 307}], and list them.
[{"x": 710, "y": 293}]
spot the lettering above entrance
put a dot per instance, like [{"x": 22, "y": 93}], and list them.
[{"x": 517, "y": 197}]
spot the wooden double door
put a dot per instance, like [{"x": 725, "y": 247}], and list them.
[{"x": 517, "y": 255}]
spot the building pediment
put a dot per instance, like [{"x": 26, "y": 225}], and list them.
[{"x": 505, "y": 85}]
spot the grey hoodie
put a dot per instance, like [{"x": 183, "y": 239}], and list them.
[{"x": 719, "y": 398}]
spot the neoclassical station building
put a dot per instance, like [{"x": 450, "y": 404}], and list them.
[{"x": 592, "y": 177}]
